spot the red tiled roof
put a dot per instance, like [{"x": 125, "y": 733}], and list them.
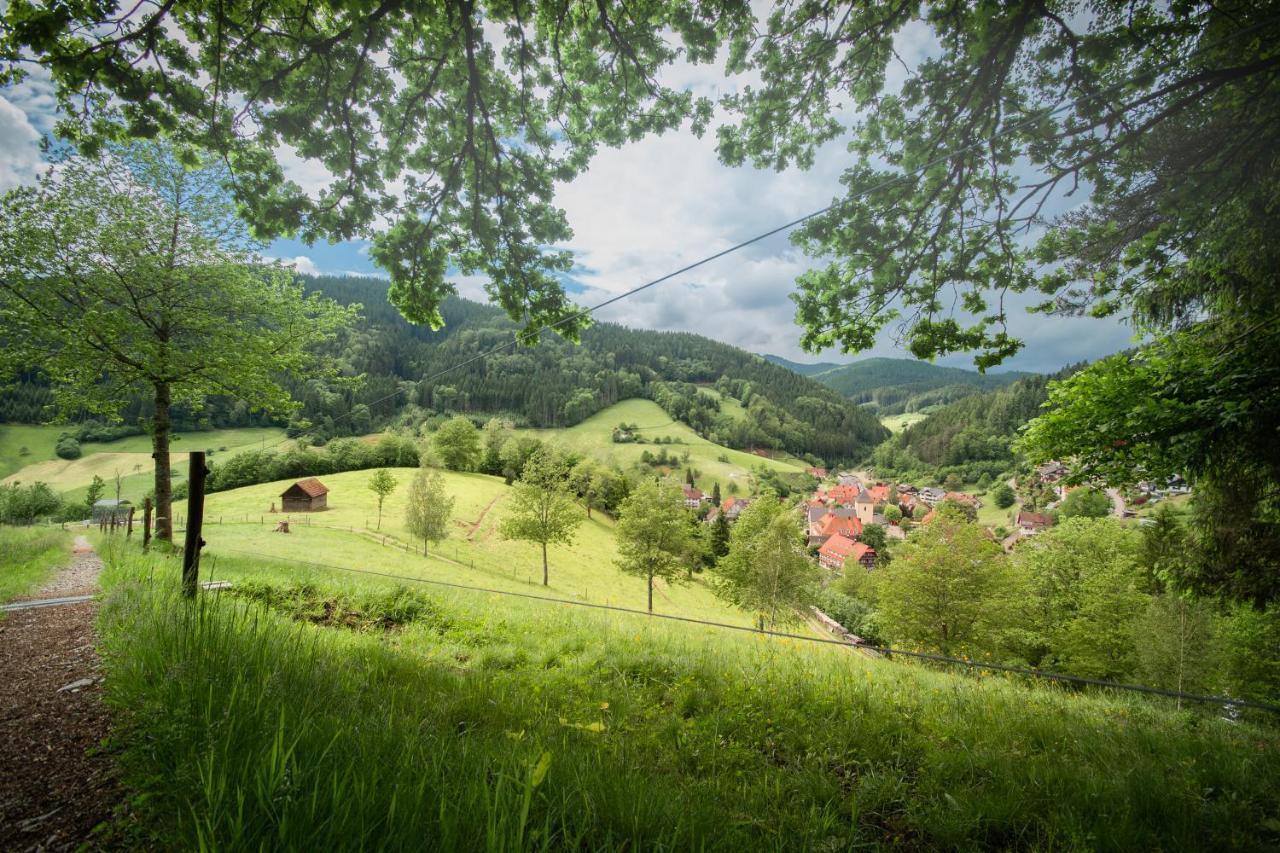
[
  {"x": 839, "y": 546},
  {"x": 880, "y": 492},
  {"x": 862, "y": 549},
  {"x": 1034, "y": 519},
  {"x": 961, "y": 497},
  {"x": 692, "y": 493},
  {"x": 832, "y": 524},
  {"x": 311, "y": 486}
]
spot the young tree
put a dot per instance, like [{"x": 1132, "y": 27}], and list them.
[
  {"x": 541, "y": 509},
  {"x": 1003, "y": 496},
  {"x": 653, "y": 534},
  {"x": 496, "y": 433},
  {"x": 382, "y": 483},
  {"x": 1176, "y": 644},
  {"x": 720, "y": 535},
  {"x": 428, "y": 509},
  {"x": 688, "y": 476},
  {"x": 949, "y": 588},
  {"x": 767, "y": 571},
  {"x": 127, "y": 272},
  {"x": 715, "y": 493},
  {"x": 457, "y": 443},
  {"x": 953, "y": 483},
  {"x": 893, "y": 513},
  {"x": 1085, "y": 502},
  {"x": 96, "y": 488}
]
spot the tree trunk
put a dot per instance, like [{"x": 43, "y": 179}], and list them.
[
  {"x": 544, "y": 564},
  {"x": 650, "y": 592},
  {"x": 424, "y": 547},
  {"x": 379, "y": 515},
  {"x": 164, "y": 475}
]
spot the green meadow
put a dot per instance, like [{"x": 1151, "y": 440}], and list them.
[
  {"x": 714, "y": 463},
  {"x": 897, "y": 423},
  {"x": 347, "y": 534},
  {"x": 130, "y": 457},
  {"x": 299, "y": 711}
]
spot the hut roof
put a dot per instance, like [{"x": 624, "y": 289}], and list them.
[{"x": 311, "y": 487}]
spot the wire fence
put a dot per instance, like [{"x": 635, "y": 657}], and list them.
[{"x": 1226, "y": 702}]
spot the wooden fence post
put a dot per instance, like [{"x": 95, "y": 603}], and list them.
[
  {"x": 129, "y": 532},
  {"x": 195, "y": 521},
  {"x": 146, "y": 523}
]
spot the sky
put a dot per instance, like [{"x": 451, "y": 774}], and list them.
[{"x": 644, "y": 210}]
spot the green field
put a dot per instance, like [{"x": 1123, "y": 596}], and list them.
[
  {"x": 346, "y": 535},
  {"x": 354, "y": 714},
  {"x": 594, "y": 436},
  {"x": 130, "y": 457},
  {"x": 897, "y": 423}
]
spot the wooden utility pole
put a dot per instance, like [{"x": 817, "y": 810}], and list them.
[
  {"x": 195, "y": 521},
  {"x": 146, "y": 523}
]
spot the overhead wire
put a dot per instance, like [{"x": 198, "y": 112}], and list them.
[
  {"x": 887, "y": 651},
  {"x": 1029, "y": 120}
]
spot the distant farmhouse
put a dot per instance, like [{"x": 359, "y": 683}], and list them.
[
  {"x": 307, "y": 495},
  {"x": 107, "y": 510}
]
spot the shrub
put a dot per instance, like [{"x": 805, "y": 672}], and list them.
[
  {"x": 67, "y": 447},
  {"x": 24, "y": 504}
]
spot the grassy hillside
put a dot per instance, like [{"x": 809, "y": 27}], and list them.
[
  {"x": 897, "y": 423},
  {"x": 130, "y": 456},
  {"x": 238, "y": 521},
  {"x": 356, "y": 715},
  {"x": 714, "y": 462}
]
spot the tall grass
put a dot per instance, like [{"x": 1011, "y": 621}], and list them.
[
  {"x": 28, "y": 557},
  {"x": 459, "y": 721}
]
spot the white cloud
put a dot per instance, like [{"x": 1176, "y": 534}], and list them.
[
  {"x": 302, "y": 264},
  {"x": 19, "y": 147}
]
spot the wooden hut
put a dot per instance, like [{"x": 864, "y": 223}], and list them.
[
  {"x": 306, "y": 495},
  {"x": 107, "y": 510}
]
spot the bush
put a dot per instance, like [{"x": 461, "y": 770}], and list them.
[
  {"x": 854, "y": 614},
  {"x": 67, "y": 447},
  {"x": 1003, "y": 496},
  {"x": 25, "y": 504}
]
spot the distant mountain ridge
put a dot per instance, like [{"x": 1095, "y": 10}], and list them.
[
  {"x": 799, "y": 366},
  {"x": 896, "y": 385}
]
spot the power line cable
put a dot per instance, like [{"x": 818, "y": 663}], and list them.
[
  {"x": 1028, "y": 120},
  {"x": 887, "y": 651}
]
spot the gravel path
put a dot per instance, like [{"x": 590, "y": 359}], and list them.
[{"x": 52, "y": 791}]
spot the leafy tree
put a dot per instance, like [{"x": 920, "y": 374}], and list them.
[
  {"x": 893, "y": 513},
  {"x": 767, "y": 571},
  {"x": 454, "y": 122},
  {"x": 715, "y": 493},
  {"x": 1250, "y": 641},
  {"x": 382, "y": 483},
  {"x": 1218, "y": 432},
  {"x": 541, "y": 509},
  {"x": 1176, "y": 644},
  {"x": 96, "y": 488},
  {"x": 874, "y": 535},
  {"x": 653, "y": 533},
  {"x": 958, "y": 509},
  {"x": 497, "y": 432},
  {"x": 1004, "y": 496},
  {"x": 67, "y": 447},
  {"x": 21, "y": 504},
  {"x": 127, "y": 273},
  {"x": 1085, "y": 575},
  {"x": 457, "y": 443},
  {"x": 953, "y": 483},
  {"x": 428, "y": 508},
  {"x": 688, "y": 475},
  {"x": 1085, "y": 503},
  {"x": 949, "y": 588}
]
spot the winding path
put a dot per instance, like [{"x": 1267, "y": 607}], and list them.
[{"x": 53, "y": 791}]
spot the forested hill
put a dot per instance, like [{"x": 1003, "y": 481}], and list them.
[
  {"x": 799, "y": 366},
  {"x": 895, "y": 385},
  {"x": 556, "y": 383},
  {"x": 970, "y": 437}
]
